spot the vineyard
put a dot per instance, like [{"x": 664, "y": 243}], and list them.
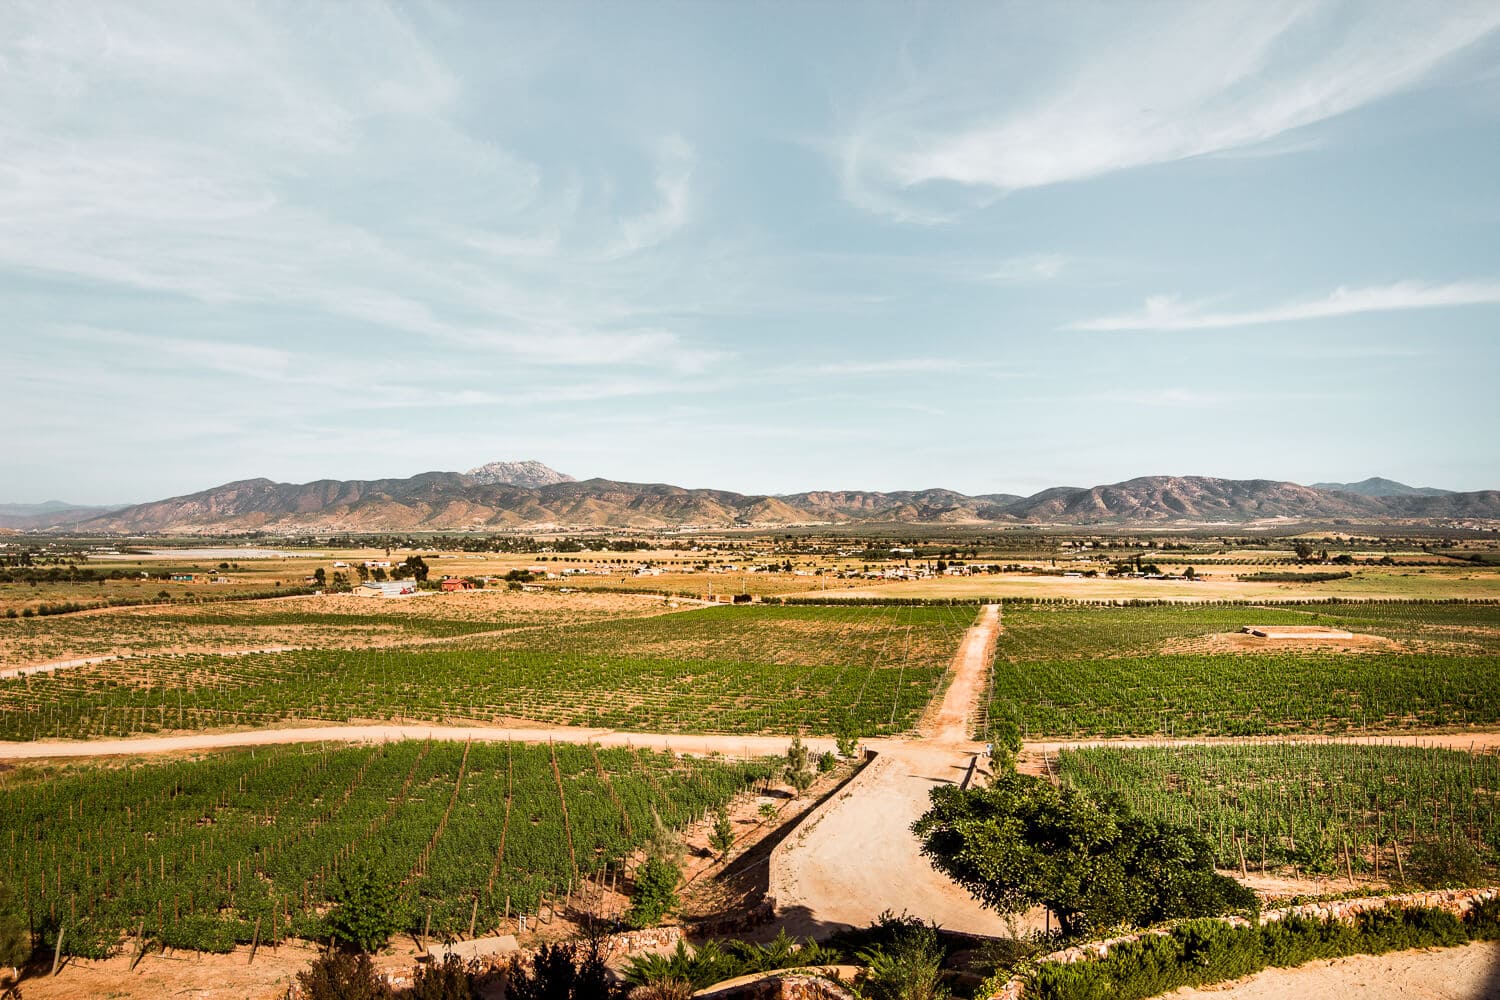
[
  {"x": 246, "y": 846},
  {"x": 1079, "y": 670},
  {"x": 723, "y": 670},
  {"x": 326, "y": 622},
  {"x": 1301, "y": 808}
]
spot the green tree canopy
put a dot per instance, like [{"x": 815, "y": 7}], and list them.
[{"x": 1024, "y": 842}]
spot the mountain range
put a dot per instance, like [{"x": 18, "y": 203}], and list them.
[{"x": 529, "y": 495}]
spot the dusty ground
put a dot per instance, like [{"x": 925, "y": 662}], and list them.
[
  {"x": 1468, "y": 973},
  {"x": 1240, "y": 642}
]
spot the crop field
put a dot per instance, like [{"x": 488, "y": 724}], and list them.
[
  {"x": 1216, "y": 583},
  {"x": 1082, "y": 670},
  {"x": 197, "y": 853},
  {"x": 723, "y": 670},
  {"x": 328, "y": 621},
  {"x": 1319, "y": 809}
]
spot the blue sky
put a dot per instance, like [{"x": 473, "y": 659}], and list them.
[{"x": 755, "y": 246}]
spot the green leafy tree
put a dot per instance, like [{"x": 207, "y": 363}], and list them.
[
  {"x": 827, "y": 762},
  {"x": 655, "y": 892},
  {"x": 1023, "y": 842},
  {"x": 721, "y": 839},
  {"x": 363, "y": 917},
  {"x": 798, "y": 773},
  {"x": 320, "y": 575},
  {"x": 767, "y": 812}
]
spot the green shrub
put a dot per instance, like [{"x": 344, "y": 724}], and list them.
[
  {"x": 655, "y": 892},
  {"x": 1482, "y": 922},
  {"x": 364, "y": 914},
  {"x": 343, "y": 976},
  {"x": 1201, "y": 952},
  {"x": 1447, "y": 863}
]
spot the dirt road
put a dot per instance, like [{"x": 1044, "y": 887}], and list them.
[
  {"x": 857, "y": 857},
  {"x": 1471, "y": 972},
  {"x": 971, "y": 670}
]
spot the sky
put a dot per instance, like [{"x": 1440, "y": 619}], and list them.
[{"x": 766, "y": 247}]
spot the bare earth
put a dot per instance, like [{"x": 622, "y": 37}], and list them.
[{"x": 1471, "y": 972}]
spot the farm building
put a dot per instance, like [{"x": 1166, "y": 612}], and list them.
[
  {"x": 394, "y": 588},
  {"x": 182, "y": 577},
  {"x": 452, "y": 583}
]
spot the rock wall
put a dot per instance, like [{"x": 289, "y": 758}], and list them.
[{"x": 1456, "y": 901}]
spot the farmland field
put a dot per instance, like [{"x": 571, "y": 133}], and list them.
[
  {"x": 1293, "y": 807},
  {"x": 329, "y": 621},
  {"x": 196, "y": 852},
  {"x": 1088, "y": 670},
  {"x": 726, "y": 670}
]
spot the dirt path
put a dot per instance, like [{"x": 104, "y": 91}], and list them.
[
  {"x": 858, "y": 857},
  {"x": 971, "y": 670},
  {"x": 1471, "y": 972},
  {"x": 733, "y": 746}
]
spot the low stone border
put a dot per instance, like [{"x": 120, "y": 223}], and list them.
[{"x": 1455, "y": 901}]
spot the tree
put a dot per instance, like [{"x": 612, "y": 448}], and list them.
[
  {"x": 363, "y": 571},
  {"x": 320, "y": 575},
  {"x": 798, "y": 774},
  {"x": 1303, "y": 548},
  {"x": 1189, "y": 573},
  {"x": 655, "y": 892},
  {"x": 847, "y": 740},
  {"x": 767, "y": 812},
  {"x": 1023, "y": 842},
  {"x": 721, "y": 839},
  {"x": 363, "y": 917},
  {"x": 379, "y": 574},
  {"x": 827, "y": 762}
]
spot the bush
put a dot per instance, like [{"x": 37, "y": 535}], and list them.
[
  {"x": 1482, "y": 922},
  {"x": 908, "y": 968},
  {"x": 450, "y": 979},
  {"x": 561, "y": 972},
  {"x": 655, "y": 892},
  {"x": 1448, "y": 863},
  {"x": 363, "y": 917},
  {"x": 343, "y": 976},
  {"x": 1200, "y": 952}
]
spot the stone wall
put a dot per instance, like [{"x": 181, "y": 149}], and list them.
[{"x": 1455, "y": 901}]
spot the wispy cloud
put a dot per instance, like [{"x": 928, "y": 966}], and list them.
[
  {"x": 1026, "y": 269},
  {"x": 1134, "y": 87},
  {"x": 247, "y": 159},
  {"x": 1166, "y": 312}
]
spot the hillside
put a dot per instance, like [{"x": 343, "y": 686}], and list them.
[
  {"x": 527, "y": 473},
  {"x": 453, "y": 501},
  {"x": 1375, "y": 486}
]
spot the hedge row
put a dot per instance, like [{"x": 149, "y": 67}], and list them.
[{"x": 1201, "y": 952}]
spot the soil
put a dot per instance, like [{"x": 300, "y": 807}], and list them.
[
  {"x": 1241, "y": 642},
  {"x": 1471, "y": 972}
]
